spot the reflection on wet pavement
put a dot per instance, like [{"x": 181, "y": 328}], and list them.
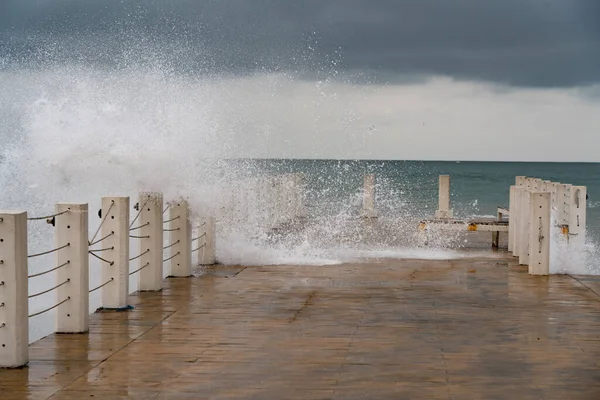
[{"x": 460, "y": 329}]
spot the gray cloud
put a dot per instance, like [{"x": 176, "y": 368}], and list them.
[{"x": 517, "y": 42}]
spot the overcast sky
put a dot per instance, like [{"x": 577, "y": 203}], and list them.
[{"x": 452, "y": 66}]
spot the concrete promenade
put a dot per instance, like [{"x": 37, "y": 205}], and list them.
[{"x": 383, "y": 329}]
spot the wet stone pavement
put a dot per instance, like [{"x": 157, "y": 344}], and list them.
[{"x": 386, "y": 329}]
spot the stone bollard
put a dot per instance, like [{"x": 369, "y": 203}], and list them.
[
  {"x": 443, "y": 210},
  {"x": 115, "y": 263},
  {"x": 149, "y": 229},
  {"x": 14, "y": 305},
  {"x": 539, "y": 233},
  {"x": 72, "y": 265},
  {"x": 180, "y": 233}
]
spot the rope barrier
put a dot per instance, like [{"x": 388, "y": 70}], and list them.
[
  {"x": 47, "y": 272},
  {"x": 49, "y": 251},
  {"x": 202, "y": 224},
  {"x": 201, "y": 236},
  {"x": 47, "y": 216},
  {"x": 112, "y": 203},
  {"x": 105, "y": 249},
  {"x": 31, "y": 296},
  {"x": 138, "y": 213},
  {"x": 172, "y": 219},
  {"x": 102, "y": 259},
  {"x": 99, "y": 240},
  {"x": 171, "y": 245},
  {"x": 138, "y": 256},
  {"x": 171, "y": 230},
  {"x": 139, "y": 237},
  {"x": 139, "y": 269},
  {"x": 138, "y": 227},
  {"x": 173, "y": 256},
  {"x": 101, "y": 286},
  {"x": 196, "y": 249},
  {"x": 48, "y": 309},
  {"x": 165, "y": 210}
]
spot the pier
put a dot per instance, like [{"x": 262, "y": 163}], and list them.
[{"x": 475, "y": 327}]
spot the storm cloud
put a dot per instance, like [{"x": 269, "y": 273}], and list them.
[{"x": 529, "y": 43}]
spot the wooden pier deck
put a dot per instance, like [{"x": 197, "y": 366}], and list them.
[{"x": 411, "y": 329}]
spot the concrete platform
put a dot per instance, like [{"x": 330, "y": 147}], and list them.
[{"x": 412, "y": 329}]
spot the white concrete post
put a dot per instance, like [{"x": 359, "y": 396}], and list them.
[
  {"x": 517, "y": 220},
  {"x": 72, "y": 262},
  {"x": 520, "y": 180},
  {"x": 14, "y": 305},
  {"x": 511, "y": 217},
  {"x": 369, "y": 196},
  {"x": 209, "y": 250},
  {"x": 539, "y": 239},
  {"x": 150, "y": 233},
  {"x": 553, "y": 189},
  {"x": 443, "y": 210},
  {"x": 115, "y": 273},
  {"x": 180, "y": 230},
  {"x": 563, "y": 203},
  {"x": 577, "y": 214},
  {"x": 524, "y": 227}
]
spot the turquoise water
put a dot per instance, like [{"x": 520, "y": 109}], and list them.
[{"x": 477, "y": 188}]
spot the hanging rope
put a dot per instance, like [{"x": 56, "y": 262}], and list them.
[
  {"x": 168, "y": 206},
  {"x": 138, "y": 256},
  {"x": 171, "y": 230},
  {"x": 198, "y": 248},
  {"x": 48, "y": 309},
  {"x": 201, "y": 236},
  {"x": 49, "y": 290},
  {"x": 171, "y": 245},
  {"x": 138, "y": 214},
  {"x": 102, "y": 259},
  {"x": 173, "y": 256},
  {"x": 139, "y": 237},
  {"x": 104, "y": 284},
  {"x": 138, "y": 227},
  {"x": 172, "y": 219},
  {"x": 47, "y": 272},
  {"x": 112, "y": 203},
  {"x": 49, "y": 251},
  {"x": 47, "y": 216},
  {"x": 99, "y": 240},
  {"x": 139, "y": 269},
  {"x": 105, "y": 249}
]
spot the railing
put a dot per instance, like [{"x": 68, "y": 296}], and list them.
[
  {"x": 110, "y": 244},
  {"x": 540, "y": 213}
]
